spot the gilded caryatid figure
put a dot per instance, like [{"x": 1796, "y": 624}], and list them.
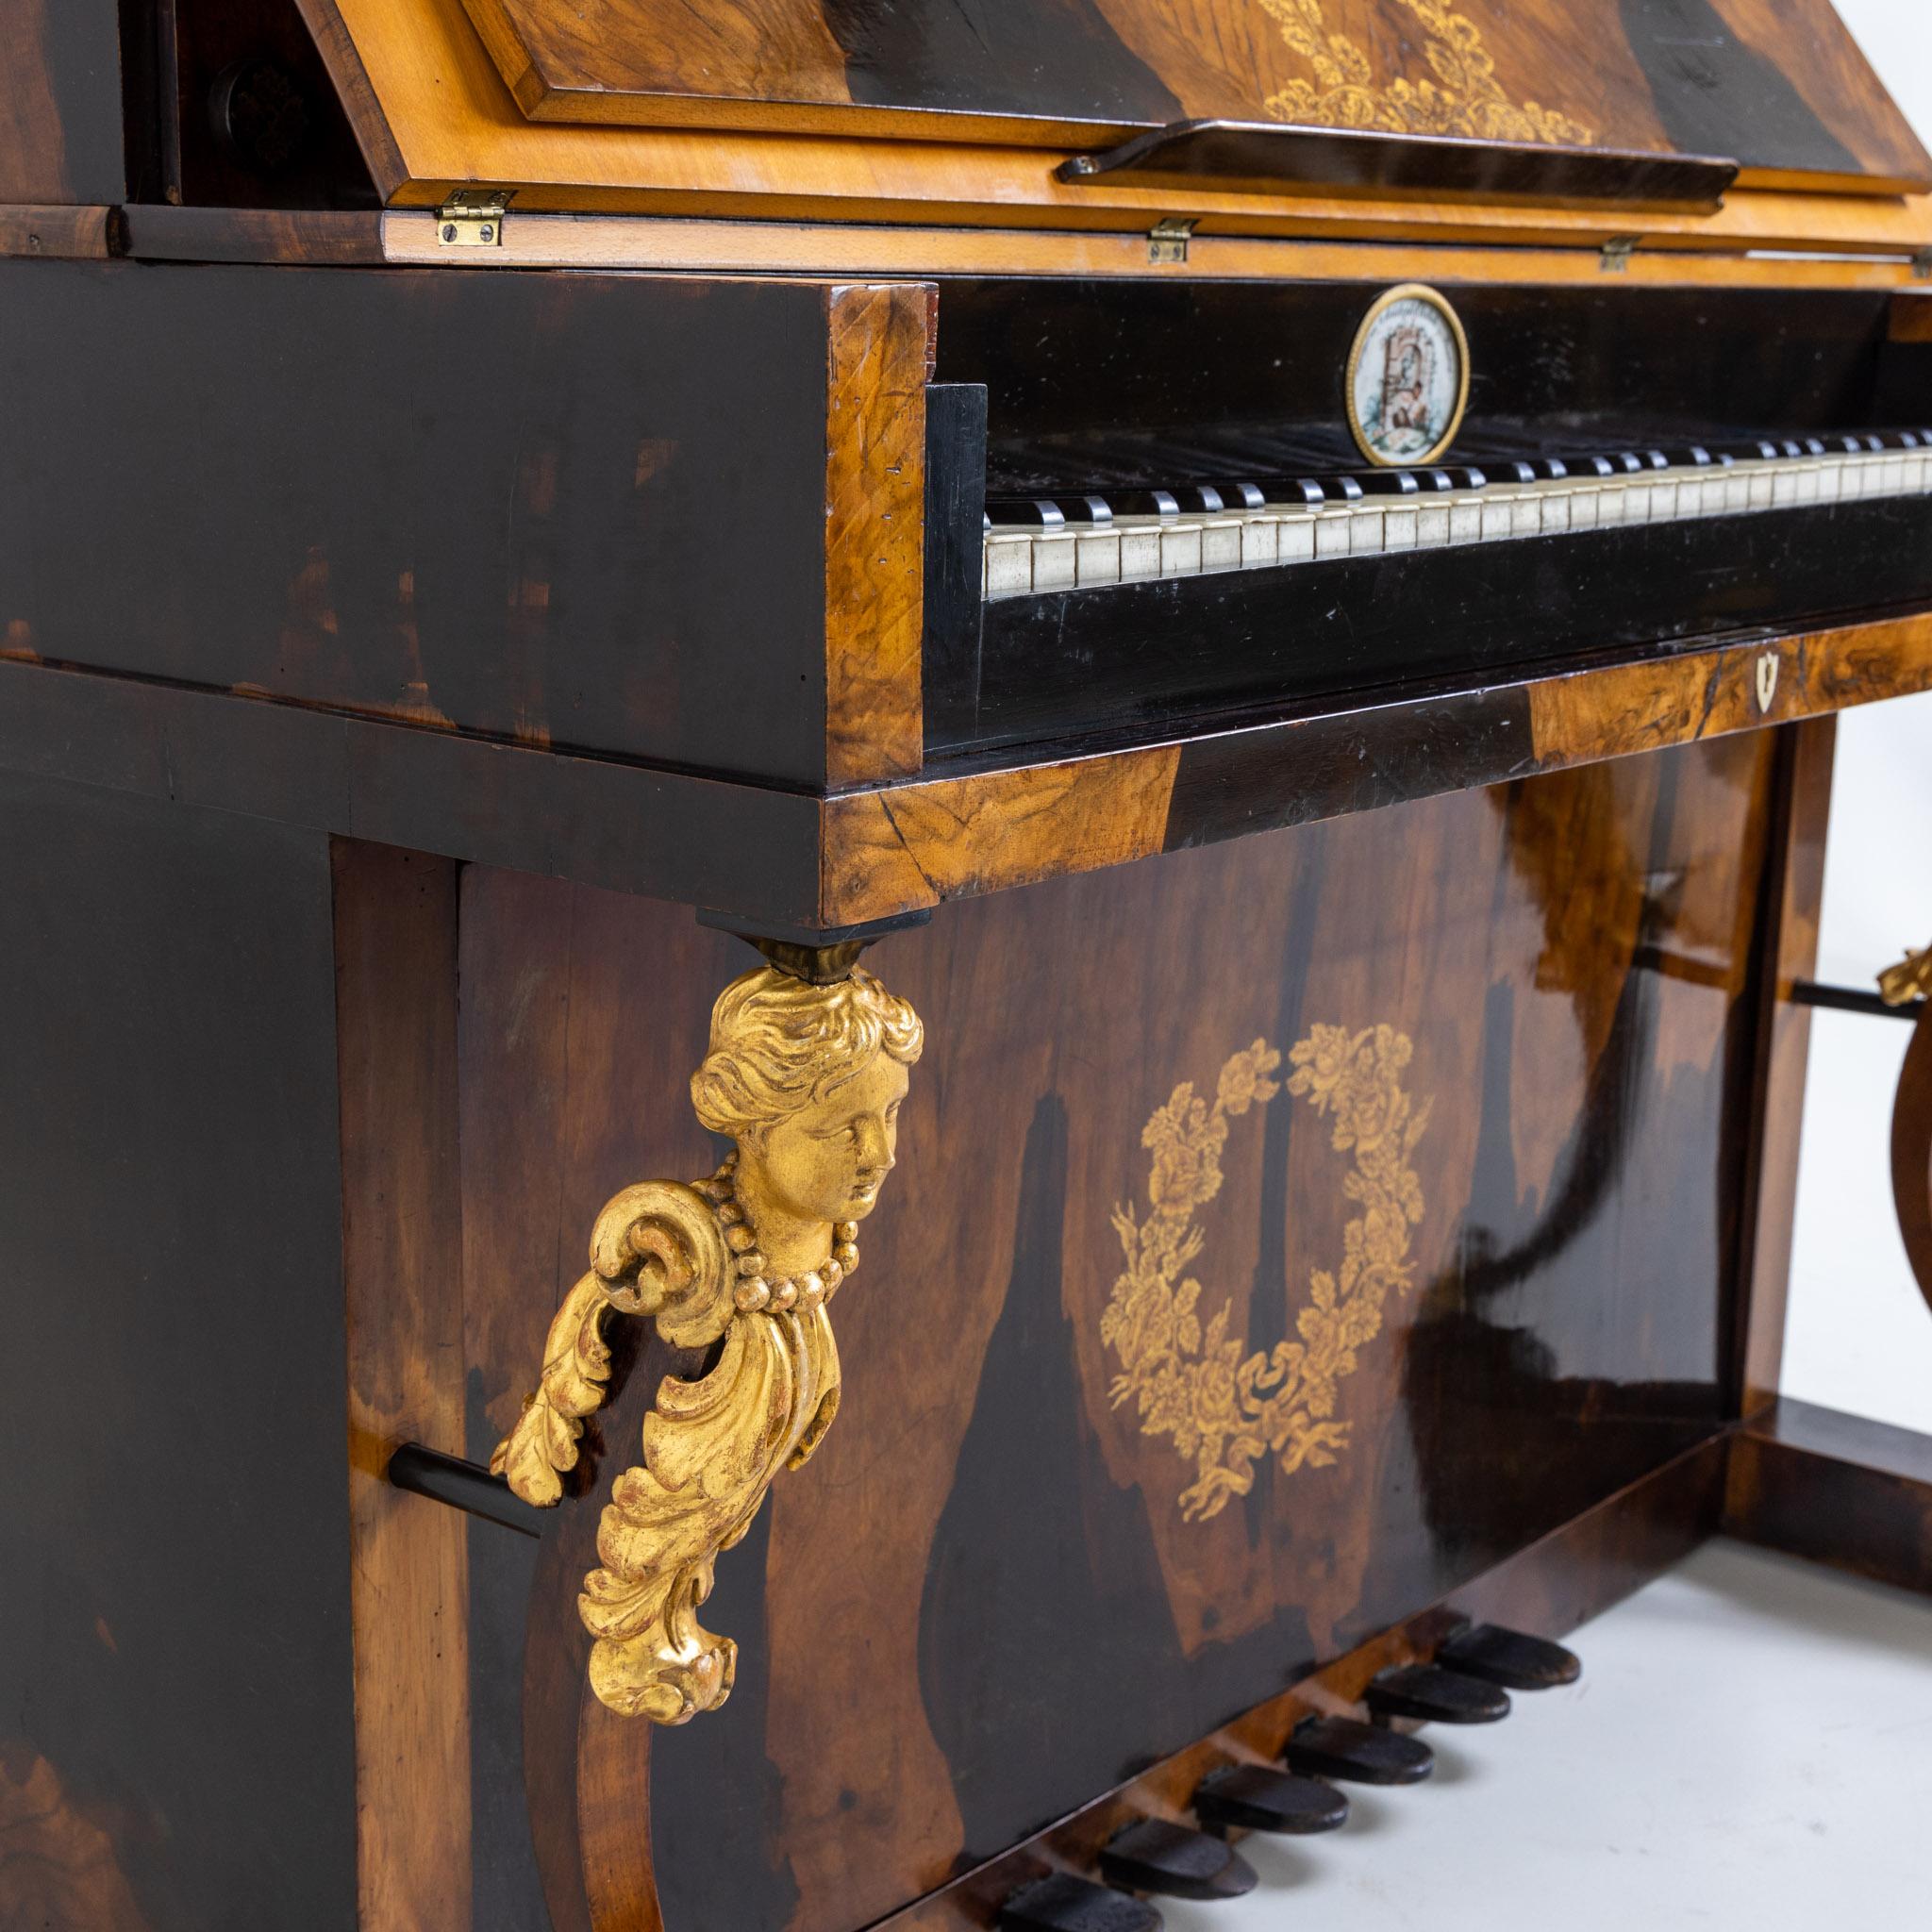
[{"x": 807, "y": 1081}]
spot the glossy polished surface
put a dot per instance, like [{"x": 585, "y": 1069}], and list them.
[{"x": 1041, "y": 1608}]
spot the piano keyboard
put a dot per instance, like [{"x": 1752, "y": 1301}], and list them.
[{"x": 1037, "y": 545}]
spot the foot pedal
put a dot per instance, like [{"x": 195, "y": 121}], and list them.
[
  {"x": 1509, "y": 1658},
  {"x": 1339, "y": 1747},
  {"x": 1175, "y": 1861},
  {"x": 1436, "y": 1696},
  {"x": 1063, "y": 1904},
  {"x": 1251, "y": 1797}
]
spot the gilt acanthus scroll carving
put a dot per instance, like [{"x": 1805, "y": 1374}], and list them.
[{"x": 807, "y": 1081}]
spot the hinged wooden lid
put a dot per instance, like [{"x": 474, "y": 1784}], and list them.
[{"x": 1777, "y": 85}]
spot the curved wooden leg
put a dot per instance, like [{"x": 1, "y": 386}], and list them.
[{"x": 1912, "y": 1153}]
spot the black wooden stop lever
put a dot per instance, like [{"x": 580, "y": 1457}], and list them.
[
  {"x": 1175, "y": 1861},
  {"x": 1509, "y": 1658},
  {"x": 1253, "y": 1797},
  {"x": 1356, "y": 1752},
  {"x": 1065, "y": 1904},
  {"x": 1435, "y": 1695}
]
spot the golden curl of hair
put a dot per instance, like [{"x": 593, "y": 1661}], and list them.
[{"x": 777, "y": 1045}]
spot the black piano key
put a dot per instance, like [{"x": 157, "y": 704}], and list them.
[
  {"x": 1592, "y": 466},
  {"x": 1033, "y": 513},
  {"x": 1356, "y": 1754},
  {"x": 1144, "y": 502},
  {"x": 1435, "y": 1695},
  {"x": 1691, "y": 457},
  {"x": 1175, "y": 1861},
  {"x": 1654, "y": 460},
  {"x": 1462, "y": 476},
  {"x": 1297, "y": 492},
  {"x": 1628, "y": 461},
  {"x": 1085, "y": 509},
  {"x": 1243, "y": 495},
  {"x": 1549, "y": 469},
  {"x": 1755, "y": 449},
  {"x": 1434, "y": 482},
  {"x": 1511, "y": 1659},
  {"x": 1198, "y": 499},
  {"x": 1341, "y": 489},
  {"x": 1065, "y": 1904},
  {"x": 1253, "y": 1797},
  {"x": 1387, "y": 483},
  {"x": 1510, "y": 470}
]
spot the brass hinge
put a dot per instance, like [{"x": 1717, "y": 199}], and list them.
[
  {"x": 473, "y": 218},
  {"x": 1617, "y": 253},
  {"x": 1167, "y": 240}
]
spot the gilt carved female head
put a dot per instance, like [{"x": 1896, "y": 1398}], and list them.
[{"x": 808, "y": 1080}]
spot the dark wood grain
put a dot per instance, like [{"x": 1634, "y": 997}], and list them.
[
  {"x": 178, "y": 1749},
  {"x": 70, "y": 233},
  {"x": 1835, "y": 1488},
  {"x": 522, "y": 564},
  {"x": 1782, "y": 88},
  {"x": 1582, "y": 1103},
  {"x": 61, "y": 102},
  {"x": 1564, "y": 1579},
  {"x": 395, "y": 943},
  {"x": 292, "y": 236},
  {"x": 1790, "y": 906}
]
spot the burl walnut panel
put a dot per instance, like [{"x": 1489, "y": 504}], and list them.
[{"x": 1035, "y": 1553}]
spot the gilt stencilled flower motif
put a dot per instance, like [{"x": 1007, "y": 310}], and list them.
[
  {"x": 1464, "y": 98},
  {"x": 1224, "y": 1408}
]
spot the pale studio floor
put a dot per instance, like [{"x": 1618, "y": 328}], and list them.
[{"x": 1750, "y": 1747}]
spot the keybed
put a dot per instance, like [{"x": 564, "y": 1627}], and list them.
[{"x": 1035, "y": 546}]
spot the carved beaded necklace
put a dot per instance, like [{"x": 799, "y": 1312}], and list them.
[{"x": 754, "y": 1291}]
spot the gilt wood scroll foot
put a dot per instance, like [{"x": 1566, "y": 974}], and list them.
[{"x": 806, "y": 1080}]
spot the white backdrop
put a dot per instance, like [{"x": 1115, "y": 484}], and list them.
[{"x": 1859, "y": 1337}]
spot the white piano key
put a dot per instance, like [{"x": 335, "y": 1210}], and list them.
[
  {"x": 1261, "y": 541},
  {"x": 1637, "y": 503},
  {"x": 1557, "y": 506},
  {"x": 1220, "y": 543},
  {"x": 1399, "y": 527},
  {"x": 1831, "y": 480},
  {"x": 1499, "y": 514},
  {"x": 1365, "y": 530},
  {"x": 1663, "y": 499},
  {"x": 1053, "y": 560},
  {"x": 1689, "y": 496},
  {"x": 1432, "y": 525},
  {"x": 1526, "y": 515},
  {"x": 1585, "y": 504},
  {"x": 1466, "y": 520},
  {"x": 1806, "y": 483},
  {"x": 1763, "y": 483},
  {"x": 1784, "y": 489},
  {"x": 1181, "y": 550},
  {"x": 1008, "y": 563},
  {"x": 1331, "y": 533},
  {"x": 1296, "y": 538},
  {"x": 1097, "y": 556},
  {"x": 1140, "y": 552},
  {"x": 1612, "y": 503}
]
